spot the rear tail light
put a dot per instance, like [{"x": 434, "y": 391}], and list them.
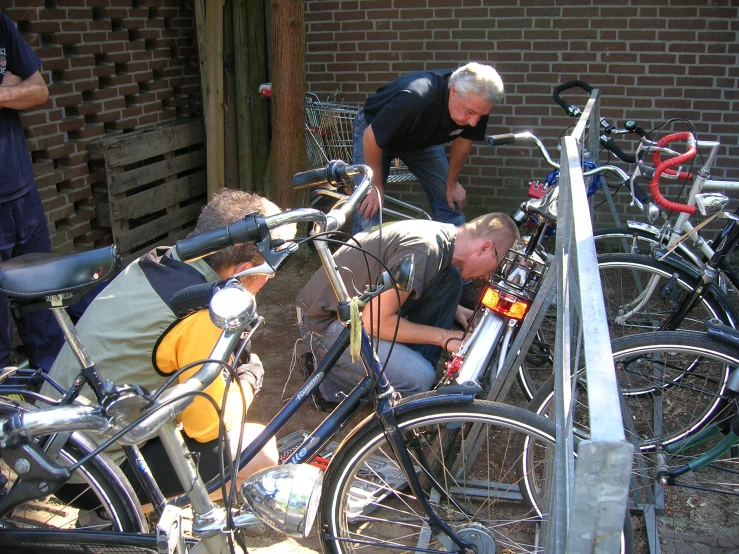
[{"x": 505, "y": 304}]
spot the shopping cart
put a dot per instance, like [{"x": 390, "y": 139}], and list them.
[{"x": 329, "y": 136}]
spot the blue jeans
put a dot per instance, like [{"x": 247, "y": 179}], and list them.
[
  {"x": 411, "y": 368},
  {"x": 429, "y": 165},
  {"x": 23, "y": 231}
]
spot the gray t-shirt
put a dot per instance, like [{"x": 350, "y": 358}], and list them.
[{"x": 430, "y": 242}]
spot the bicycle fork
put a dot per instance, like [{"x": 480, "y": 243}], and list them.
[{"x": 389, "y": 422}]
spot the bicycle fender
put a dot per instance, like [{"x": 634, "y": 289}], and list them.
[{"x": 452, "y": 394}]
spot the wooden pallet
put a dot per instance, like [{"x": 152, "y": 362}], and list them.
[{"x": 156, "y": 183}]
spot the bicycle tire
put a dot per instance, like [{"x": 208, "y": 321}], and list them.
[
  {"x": 110, "y": 502},
  {"x": 391, "y": 514},
  {"x": 697, "y": 501},
  {"x": 626, "y": 279},
  {"x": 699, "y": 396},
  {"x": 619, "y": 274}
]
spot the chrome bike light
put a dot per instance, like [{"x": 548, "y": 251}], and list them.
[
  {"x": 709, "y": 203},
  {"x": 285, "y": 497},
  {"x": 232, "y": 307}
]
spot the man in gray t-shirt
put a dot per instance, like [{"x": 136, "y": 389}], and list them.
[{"x": 424, "y": 316}]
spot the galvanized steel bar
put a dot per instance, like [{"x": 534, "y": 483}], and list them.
[{"x": 597, "y": 498}]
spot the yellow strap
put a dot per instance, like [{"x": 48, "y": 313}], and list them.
[{"x": 355, "y": 344}]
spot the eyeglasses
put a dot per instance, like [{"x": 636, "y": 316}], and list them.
[{"x": 495, "y": 250}]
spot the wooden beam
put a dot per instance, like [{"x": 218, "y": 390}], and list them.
[{"x": 213, "y": 101}]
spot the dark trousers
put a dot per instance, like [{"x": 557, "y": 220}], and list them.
[{"x": 23, "y": 231}]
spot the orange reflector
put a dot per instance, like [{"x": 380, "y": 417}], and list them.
[{"x": 504, "y": 304}]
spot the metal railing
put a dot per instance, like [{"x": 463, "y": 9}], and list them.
[{"x": 591, "y": 497}]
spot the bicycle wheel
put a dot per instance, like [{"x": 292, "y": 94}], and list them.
[
  {"x": 673, "y": 383},
  {"x": 640, "y": 293},
  {"x": 702, "y": 502},
  {"x": 367, "y": 506},
  {"x": 674, "y": 386},
  {"x": 632, "y": 288},
  {"x": 98, "y": 498}
]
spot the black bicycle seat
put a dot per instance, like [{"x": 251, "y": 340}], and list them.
[{"x": 37, "y": 275}]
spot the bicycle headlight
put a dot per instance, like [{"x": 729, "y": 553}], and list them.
[
  {"x": 285, "y": 497},
  {"x": 232, "y": 307}
]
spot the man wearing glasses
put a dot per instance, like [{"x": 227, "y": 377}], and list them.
[{"x": 423, "y": 317}]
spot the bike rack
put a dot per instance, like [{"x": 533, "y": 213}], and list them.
[
  {"x": 594, "y": 495},
  {"x": 589, "y": 504}
]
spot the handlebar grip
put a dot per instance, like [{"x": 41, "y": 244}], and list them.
[
  {"x": 332, "y": 174},
  {"x": 500, "y": 140},
  {"x": 662, "y": 167},
  {"x": 610, "y": 145},
  {"x": 571, "y": 110},
  {"x": 250, "y": 229},
  {"x": 310, "y": 179}
]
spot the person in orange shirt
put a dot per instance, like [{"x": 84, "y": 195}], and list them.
[{"x": 135, "y": 334}]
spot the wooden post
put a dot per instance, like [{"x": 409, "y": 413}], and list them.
[
  {"x": 213, "y": 101},
  {"x": 231, "y": 146},
  {"x": 253, "y": 111},
  {"x": 287, "y": 152}
]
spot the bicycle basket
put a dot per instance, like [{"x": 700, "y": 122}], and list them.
[{"x": 518, "y": 274}]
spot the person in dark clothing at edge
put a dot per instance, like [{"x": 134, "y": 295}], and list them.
[
  {"x": 411, "y": 118},
  {"x": 23, "y": 228}
]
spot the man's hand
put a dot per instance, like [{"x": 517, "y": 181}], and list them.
[
  {"x": 452, "y": 340},
  {"x": 372, "y": 202},
  {"x": 455, "y": 194},
  {"x": 252, "y": 372},
  {"x": 463, "y": 316}
]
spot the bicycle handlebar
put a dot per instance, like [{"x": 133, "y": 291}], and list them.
[
  {"x": 570, "y": 109},
  {"x": 609, "y": 144},
  {"x": 512, "y": 138},
  {"x": 663, "y": 167},
  {"x": 255, "y": 227}
]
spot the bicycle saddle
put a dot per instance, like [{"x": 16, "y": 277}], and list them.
[{"x": 35, "y": 275}]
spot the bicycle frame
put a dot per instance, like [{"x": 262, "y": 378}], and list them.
[{"x": 702, "y": 182}]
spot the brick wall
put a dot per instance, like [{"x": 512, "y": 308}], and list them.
[
  {"x": 652, "y": 61},
  {"x": 112, "y": 66}
]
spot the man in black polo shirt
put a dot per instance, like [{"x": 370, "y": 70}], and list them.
[{"x": 411, "y": 118}]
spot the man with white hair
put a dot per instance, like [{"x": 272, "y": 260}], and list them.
[{"x": 411, "y": 118}]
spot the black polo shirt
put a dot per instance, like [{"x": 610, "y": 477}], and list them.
[{"x": 412, "y": 112}]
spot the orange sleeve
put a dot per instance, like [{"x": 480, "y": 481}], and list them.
[{"x": 189, "y": 341}]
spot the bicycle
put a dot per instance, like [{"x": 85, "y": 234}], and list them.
[
  {"x": 640, "y": 238},
  {"x": 496, "y": 325},
  {"x": 680, "y": 391},
  {"x": 644, "y": 294},
  {"x": 436, "y": 499}
]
